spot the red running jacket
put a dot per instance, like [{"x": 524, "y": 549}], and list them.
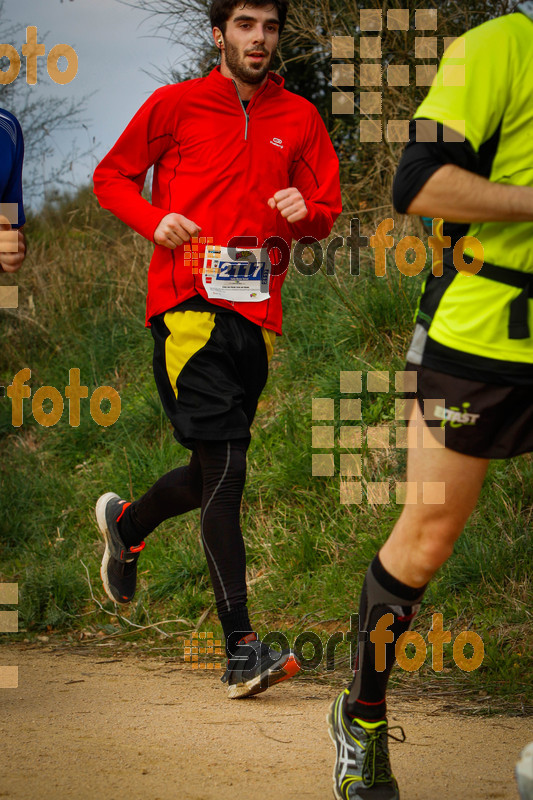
[{"x": 218, "y": 164}]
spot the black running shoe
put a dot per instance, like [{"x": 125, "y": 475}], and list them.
[
  {"x": 255, "y": 667},
  {"x": 119, "y": 564},
  {"x": 362, "y": 768}
]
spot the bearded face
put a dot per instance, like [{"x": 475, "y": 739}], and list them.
[
  {"x": 249, "y": 43},
  {"x": 249, "y": 66}
]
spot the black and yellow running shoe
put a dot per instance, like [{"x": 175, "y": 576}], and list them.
[{"x": 362, "y": 768}]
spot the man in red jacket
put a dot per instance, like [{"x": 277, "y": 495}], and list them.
[{"x": 249, "y": 166}]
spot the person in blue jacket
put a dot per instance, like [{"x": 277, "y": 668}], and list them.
[{"x": 11, "y": 218}]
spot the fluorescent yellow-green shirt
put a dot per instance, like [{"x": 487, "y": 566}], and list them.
[{"x": 484, "y": 90}]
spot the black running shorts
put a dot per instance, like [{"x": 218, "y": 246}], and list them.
[
  {"x": 210, "y": 369},
  {"x": 479, "y": 419}
]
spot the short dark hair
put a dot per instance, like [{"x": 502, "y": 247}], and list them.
[{"x": 220, "y": 10}]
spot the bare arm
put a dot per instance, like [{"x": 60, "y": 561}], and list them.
[{"x": 457, "y": 195}]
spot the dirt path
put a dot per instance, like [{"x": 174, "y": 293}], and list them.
[{"x": 83, "y": 727}]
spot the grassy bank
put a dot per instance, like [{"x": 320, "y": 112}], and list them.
[{"x": 82, "y": 306}]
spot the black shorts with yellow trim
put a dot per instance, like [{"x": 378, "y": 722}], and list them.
[
  {"x": 210, "y": 369},
  {"x": 478, "y": 419}
]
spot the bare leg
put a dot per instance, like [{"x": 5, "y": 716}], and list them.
[
  {"x": 421, "y": 541},
  {"x": 424, "y": 535}
]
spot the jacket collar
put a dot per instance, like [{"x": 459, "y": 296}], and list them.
[{"x": 274, "y": 82}]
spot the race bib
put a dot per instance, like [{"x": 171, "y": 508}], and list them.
[{"x": 242, "y": 278}]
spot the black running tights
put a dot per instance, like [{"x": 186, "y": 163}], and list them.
[{"x": 213, "y": 481}]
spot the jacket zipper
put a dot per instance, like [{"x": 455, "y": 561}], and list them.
[
  {"x": 245, "y": 129},
  {"x": 243, "y": 111}
]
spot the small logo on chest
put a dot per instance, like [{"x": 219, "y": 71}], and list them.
[{"x": 277, "y": 142}]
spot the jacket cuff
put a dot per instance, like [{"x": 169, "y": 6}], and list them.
[{"x": 317, "y": 223}]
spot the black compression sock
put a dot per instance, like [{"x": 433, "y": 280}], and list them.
[
  {"x": 235, "y": 624},
  {"x": 382, "y": 594},
  {"x": 392, "y": 584},
  {"x": 130, "y": 530}
]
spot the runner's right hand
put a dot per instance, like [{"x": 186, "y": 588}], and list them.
[{"x": 174, "y": 230}]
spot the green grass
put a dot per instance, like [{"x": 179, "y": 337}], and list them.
[{"x": 82, "y": 305}]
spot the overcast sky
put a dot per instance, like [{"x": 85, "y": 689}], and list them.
[{"x": 114, "y": 45}]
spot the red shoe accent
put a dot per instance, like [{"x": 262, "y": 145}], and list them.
[
  {"x": 124, "y": 507},
  {"x": 135, "y": 549},
  {"x": 250, "y": 637},
  {"x": 366, "y": 703},
  {"x": 291, "y": 667}
]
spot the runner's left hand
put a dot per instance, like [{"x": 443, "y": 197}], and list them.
[{"x": 290, "y": 204}]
